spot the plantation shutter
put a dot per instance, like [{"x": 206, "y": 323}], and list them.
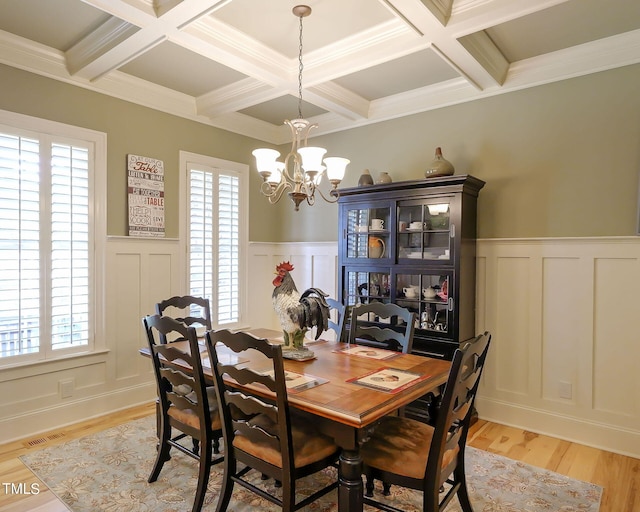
[
  {"x": 44, "y": 245},
  {"x": 19, "y": 245},
  {"x": 69, "y": 246},
  {"x": 214, "y": 264},
  {"x": 228, "y": 250}
]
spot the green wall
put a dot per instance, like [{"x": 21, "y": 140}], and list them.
[
  {"x": 142, "y": 131},
  {"x": 560, "y": 160}
]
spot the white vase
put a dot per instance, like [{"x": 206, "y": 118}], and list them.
[{"x": 384, "y": 177}]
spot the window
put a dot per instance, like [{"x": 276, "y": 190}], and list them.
[
  {"x": 216, "y": 206},
  {"x": 47, "y": 178}
]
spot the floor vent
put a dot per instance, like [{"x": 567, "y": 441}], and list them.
[
  {"x": 36, "y": 442},
  {"x": 42, "y": 440}
]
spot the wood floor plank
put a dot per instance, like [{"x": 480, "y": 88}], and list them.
[{"x": 617, "y": 474}]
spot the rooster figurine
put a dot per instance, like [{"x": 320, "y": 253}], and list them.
[{"x": 298, "y": 313}]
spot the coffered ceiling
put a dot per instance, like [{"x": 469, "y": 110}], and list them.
[{"x": 234, "y": 63}]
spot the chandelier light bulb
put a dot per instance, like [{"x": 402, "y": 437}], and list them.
[
  {"x": 312, "y": 158},
  {"x": 266, "y": 161},
  {"x": 336, "y": 167}
]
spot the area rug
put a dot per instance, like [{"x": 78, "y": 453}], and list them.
[{"x": 108, "y": 472}]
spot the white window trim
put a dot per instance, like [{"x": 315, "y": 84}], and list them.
[
  {"x": 98, "y": 214},
  {"x": 188, "y": 159}
]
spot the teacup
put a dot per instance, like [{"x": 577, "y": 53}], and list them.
[
  {"x": 415, "y": 225},
  {"x": 377, "y": 224}
]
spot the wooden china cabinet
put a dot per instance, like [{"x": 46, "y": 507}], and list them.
[{"x": 413, "y": 243}]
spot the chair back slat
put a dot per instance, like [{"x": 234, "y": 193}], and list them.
[
  {"x": 248, "y": 376},
  {"x": 367, "y": 333},
  {"x": 248, "y": 405},
  {"x": 188, "y": 310}
]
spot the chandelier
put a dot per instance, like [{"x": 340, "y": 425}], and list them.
[{"x": 303, "y": 169}]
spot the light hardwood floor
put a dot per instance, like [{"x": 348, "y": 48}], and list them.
[{"x": 617, "y": 474}]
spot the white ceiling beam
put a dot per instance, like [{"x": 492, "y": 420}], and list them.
[
  {"x": 230, "y": 47},
  {"x": 236, "y": 96},
  {"x": 487, "y": 54},
  {"x": 136, "y": 12},
  {"x": 335, "y": 98},
  {"x": 608, "y": 53},
  {"x": 116, "y": 42},
  {"x": 379, "y": 44},
  {"x": 113, "y": 44},
  {"x": 469, "y": 16},
  {"x": 616, "y": 51},
  {"x": 434, "y": 29}
]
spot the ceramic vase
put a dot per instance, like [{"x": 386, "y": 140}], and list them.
[
  {"x": 439, "y": 166},
  {"x": 365, "y": 179},
  {"x": 384, "y": 177}
]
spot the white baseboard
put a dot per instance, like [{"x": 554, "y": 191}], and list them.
[
  {"x": 61, "y": 415},
  {"x": 606, "y": 437}
]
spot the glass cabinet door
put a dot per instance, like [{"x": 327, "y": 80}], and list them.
[
  {"x": 367, "y": 232},
  {"x": 424, "y": 231},
  {"x": 427, "y": 295},
  {"x": 362, "y": 287}
]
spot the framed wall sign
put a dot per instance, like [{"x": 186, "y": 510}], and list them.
[{"x": 145, "y": 181}]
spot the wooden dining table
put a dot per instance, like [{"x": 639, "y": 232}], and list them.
[{"x": 347, "y": 391}]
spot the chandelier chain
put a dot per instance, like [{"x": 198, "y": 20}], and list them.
[
  {"x": 300, "y": 68},
  {"x": 304, "y": 168}
]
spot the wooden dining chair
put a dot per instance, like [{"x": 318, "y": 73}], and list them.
[
  {"x": 184, "y": 401},
  {"x": 260, "y": 434},
  {"x": 371, "y": 333},
  {"x": 336, "y": 319},
  {"x": 191, "y": 311},
  {"x": 412, "y": 454}
]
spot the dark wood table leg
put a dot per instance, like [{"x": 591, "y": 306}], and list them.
[{"x": 350, "y": 487}]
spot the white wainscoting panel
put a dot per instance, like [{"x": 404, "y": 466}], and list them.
[
  {"x": 563, "y": 314},
  {"x": 566, "y": 344},
  {"x": 137, "y": 272}
]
